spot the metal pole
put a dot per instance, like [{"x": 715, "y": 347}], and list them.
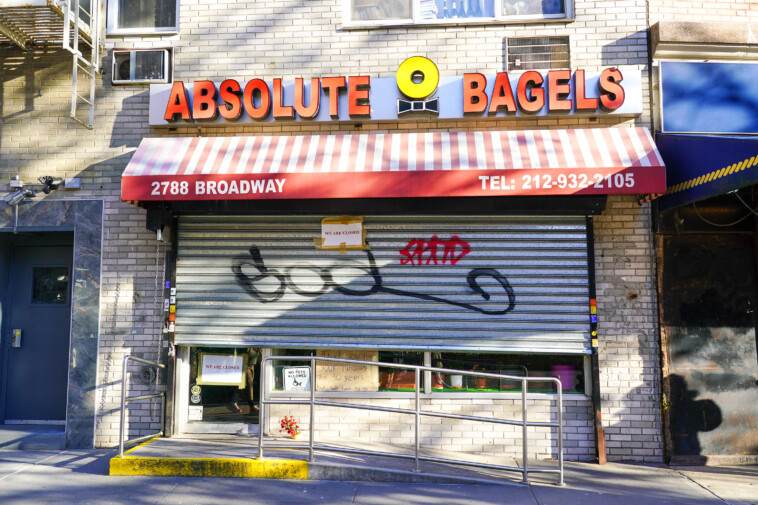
[
  {"x": 75, "y": 77},
  {"x": 311, "y": 427},
  {"x": 418, "y": 418},
  {"x": 524, "y": 383},
  {"x": 94, "y": 19},
  {"x": 560, "y": 435},
  {"x": 67, "y": 26},
  {"x": 123, "y": 407},
  {"x": 261, "y": 406},
  {"x": 163, "y": 413}
]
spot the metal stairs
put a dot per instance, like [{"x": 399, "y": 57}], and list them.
[{"x": 77, "y": 25}]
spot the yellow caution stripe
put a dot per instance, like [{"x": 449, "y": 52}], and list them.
[
  {"x": 711, "y": 176},
  {"x": 143, "y": 444},
  {"x": 209, "y": 467}
]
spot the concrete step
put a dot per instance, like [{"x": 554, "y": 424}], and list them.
[{"x": 32, "y": 437}]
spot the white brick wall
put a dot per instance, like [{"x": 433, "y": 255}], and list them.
[
  {"x": 627, "y": 331},
  {"x": 714, "y": 11},
  {"x": 266, "y": 39}
]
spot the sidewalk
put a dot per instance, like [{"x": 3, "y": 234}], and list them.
[{"x": 80, "y": 477}]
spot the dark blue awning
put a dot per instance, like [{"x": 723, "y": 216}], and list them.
[{"x": 702, "y": 166}]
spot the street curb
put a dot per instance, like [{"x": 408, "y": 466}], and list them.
[
  {"x": 320, "y": 471},
  {"x": 209, "y": 467}
]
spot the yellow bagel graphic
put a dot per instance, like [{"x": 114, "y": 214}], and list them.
[{"x": 418, "y": 66}]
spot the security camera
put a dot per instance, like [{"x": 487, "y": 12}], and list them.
[
  {"x": 50, "y": 183},
  {"x": 18, "y": 196}
]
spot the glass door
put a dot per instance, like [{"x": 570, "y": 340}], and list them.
[{"x": 219, "y": 389}]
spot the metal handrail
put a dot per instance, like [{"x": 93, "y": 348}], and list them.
[
  {"x": 417, "y": 412},
  {"x": 126, "y": 399}
]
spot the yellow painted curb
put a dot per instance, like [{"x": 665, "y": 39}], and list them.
[{"x": 210, "y": 467}]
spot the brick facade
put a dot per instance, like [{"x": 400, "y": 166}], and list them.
[
  {"x": 266, "y": 39},
  {"x": 714, "y": 11}
]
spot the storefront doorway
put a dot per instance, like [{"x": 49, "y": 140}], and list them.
[
  {"x": 36, "y": 292},
  {"x": 219, "y": 389},
  {"x": 709, "y": 337}
]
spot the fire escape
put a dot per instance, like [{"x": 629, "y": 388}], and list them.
[{"x": 77, "y": 25}]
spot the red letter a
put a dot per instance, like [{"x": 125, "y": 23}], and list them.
[{"x": 177, "y": 103}]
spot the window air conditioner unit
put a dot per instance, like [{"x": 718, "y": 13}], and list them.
[{"x": 141, "y": 66}]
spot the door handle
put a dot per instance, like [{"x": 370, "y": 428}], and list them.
[{"x": 16, "y": 337}]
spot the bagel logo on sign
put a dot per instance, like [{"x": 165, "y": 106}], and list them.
[{"x": 417, "y": 79}]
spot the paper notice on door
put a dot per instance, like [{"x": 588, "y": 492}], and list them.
[
  {"x": 342, "y": 233},
  {"x": 222, "y": 369},
  {"x": 195, "y": 413}
]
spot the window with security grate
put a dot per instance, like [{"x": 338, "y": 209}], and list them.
[{"x": 538, "y": 53}]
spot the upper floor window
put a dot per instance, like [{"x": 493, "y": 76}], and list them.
[
  {"x": 143, "y": 16},
  {"x": 537, "y": 53},
  {"x": 403, "y": 12}
]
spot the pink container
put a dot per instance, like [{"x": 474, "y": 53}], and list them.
[{"x": 566, "y": 374}]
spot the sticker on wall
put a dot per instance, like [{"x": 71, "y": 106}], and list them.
[
  {"x": 195, "y": 413},
  {"x": 297, "y": 378},
  {"x": 342, "y": 233},
  {"x": 195, "y": 390}
]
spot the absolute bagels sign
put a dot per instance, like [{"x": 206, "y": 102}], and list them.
[{"x": 416, "y": 91}]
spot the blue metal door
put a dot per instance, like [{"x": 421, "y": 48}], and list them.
[{"x": 37, "y": 334}]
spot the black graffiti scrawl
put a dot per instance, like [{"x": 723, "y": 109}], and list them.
[{"x": 243, "y": 265}]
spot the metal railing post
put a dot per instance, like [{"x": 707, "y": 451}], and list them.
[
  {"x": 417, "y": 412},
  {"x": 67, "y": 26},
  {"x": 418, "y": 417},
  {"x": 124, "y": 386},
  {"x": 524, "y": 383},
  {"x": 163, "y": 414},
  {"x": 125, "y": 399},
  {"x": 93, "y": 68},
  {"x": 560, "y": 434},
  {"x": 311, "y": 424},
  {"x": 261, "y": 406}
]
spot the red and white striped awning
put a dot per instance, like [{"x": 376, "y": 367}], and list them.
[{"x": 386, "y": 165}]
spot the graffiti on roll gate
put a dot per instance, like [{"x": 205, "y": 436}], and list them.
[
  {"x": 268, "y": 285},
  {"x": 434, "y": 251}
]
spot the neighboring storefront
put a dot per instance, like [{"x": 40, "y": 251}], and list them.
[{"x": 706, "y": 245}]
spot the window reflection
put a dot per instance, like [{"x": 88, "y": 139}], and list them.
[
  {"x": 147, "y": 13},
  {"x": 50, "y": 285}
]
